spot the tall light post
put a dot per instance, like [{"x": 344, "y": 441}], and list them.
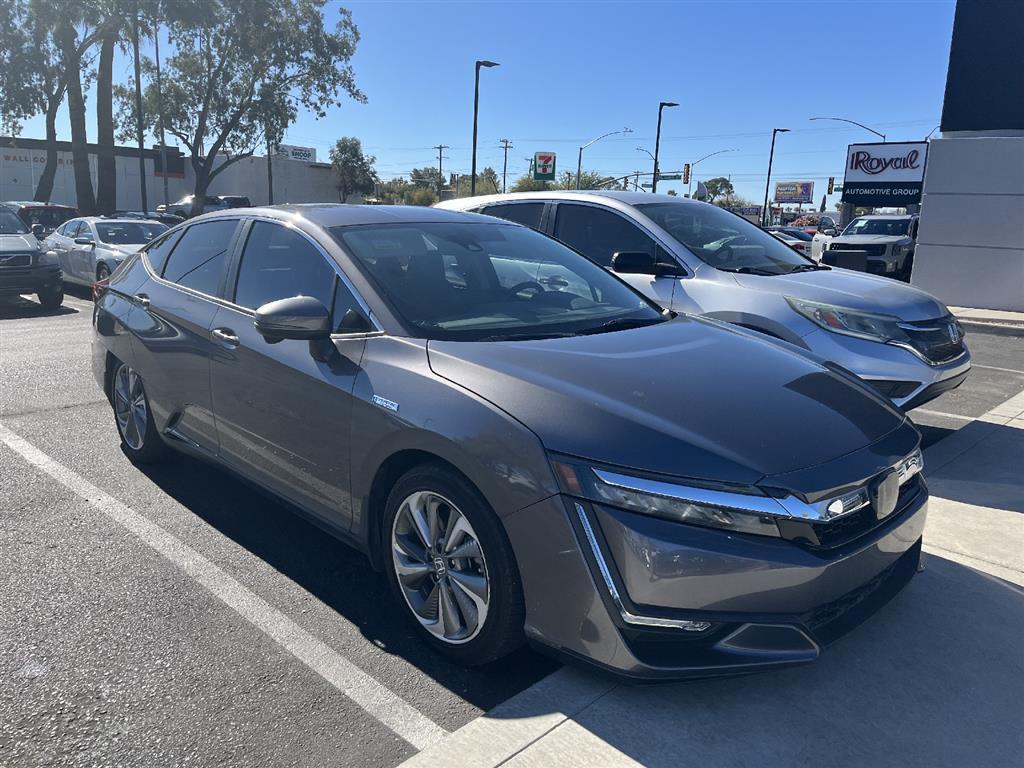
[
  {"x": 852, "y": 122},
  {"x": 689, "y": 182},
  {"x": 579, "y": 160},
  {"x": 476, "y": 109},
  {"x": 771, "y": 156},
  {"x": 657, "y": 143}
]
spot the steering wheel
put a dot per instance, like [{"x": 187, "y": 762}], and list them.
[{"x": 526, "y": 284}]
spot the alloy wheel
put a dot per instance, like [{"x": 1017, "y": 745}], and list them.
[
  {"x": 440, "y": 567},
  {"x": 130, "y": 407}
]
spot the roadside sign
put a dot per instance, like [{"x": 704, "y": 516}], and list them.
[
  {"x": 885, "y": 174},
  {"x": 670, "y": 177},
  {"x": 647, "y": 184},
  {"x": 794, "y": 192},
  {"x": 544, "y": 166}
]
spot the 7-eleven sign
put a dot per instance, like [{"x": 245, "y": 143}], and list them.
[{"x": 544, "y": 166}]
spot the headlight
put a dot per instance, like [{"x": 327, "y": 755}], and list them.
[
  {"x": 851, "y": 322},
  {"x": 47, "y": 258},
  {"x": 741, "y": 510}
]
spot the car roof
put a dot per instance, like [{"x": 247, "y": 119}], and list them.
[
  {"x": 342, "y": 215},
  {"x": 37, "y": 204},
  {"x": 583, "y": 195},
  {"x": 114, "y": 220}
]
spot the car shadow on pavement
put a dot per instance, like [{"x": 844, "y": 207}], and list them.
[
  {"x": 994, "y": 477},
  {"x": 335, "y": 573},
  {"x": 18, "y": 307},
  {"x": 935, "y": 678}
]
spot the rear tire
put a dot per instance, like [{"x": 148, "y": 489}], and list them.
[
  {"x": 451, "y": 566},
  {"x": 51, "y": 299},
  {"x": 134, "y": 420}
]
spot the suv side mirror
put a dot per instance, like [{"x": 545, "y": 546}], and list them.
[
  {"x": 300, "y": 317},
  {"x": 39, "y": 231}
]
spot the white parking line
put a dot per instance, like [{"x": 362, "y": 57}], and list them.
[
  {"x": 943, "y": 414},
  {"x": 375, "y": 698},
  {"x": 997, "y": 368}
]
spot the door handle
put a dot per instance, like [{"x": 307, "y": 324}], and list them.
[
  {"x": 225, "y": 336},
  {"x": 142, "y": 300}
]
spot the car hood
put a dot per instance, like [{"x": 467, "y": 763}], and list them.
[
  {"x": 686, "y": 398},
  {"x": 854, "y": 290},
  {"x": 18, "y": 243}
]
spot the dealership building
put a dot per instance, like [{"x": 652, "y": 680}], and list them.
[
  {"x": 298, "y": 177},
  {"x": 970, "y": 249}
]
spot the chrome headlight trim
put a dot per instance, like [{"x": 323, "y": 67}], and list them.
[{"x": 764, "y": 505}]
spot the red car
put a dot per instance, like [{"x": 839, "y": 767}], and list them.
[{"x": 41, "y": 218}]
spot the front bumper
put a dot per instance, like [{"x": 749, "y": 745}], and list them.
[
  {"x": 606, "y": 586},
  {"x": 896, "y": 373},
  {"x": 17, "y": 280}
]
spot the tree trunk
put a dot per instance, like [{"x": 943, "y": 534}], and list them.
[
  {"x": 45, "y": 186},
  {"x": 86, "y": 200},
  {"x": 202, "y": 171},
  {"x": 106, "y": 168}
]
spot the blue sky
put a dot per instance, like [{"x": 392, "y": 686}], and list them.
[{"x": 571, "y": 71}]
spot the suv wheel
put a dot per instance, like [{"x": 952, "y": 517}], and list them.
[
  {"x": 133, "y": 417},
  {"x": 52, "y": 298},
  {"x": 452, "y": 567}
]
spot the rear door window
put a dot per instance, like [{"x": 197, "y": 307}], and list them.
[
  {"x": 198, "y": 261},
  {"x": 527, "y": 214},
  {"x": 599, "y": 234},
  {"x": 279, "y": 263}
]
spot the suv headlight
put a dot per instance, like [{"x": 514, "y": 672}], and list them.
[
  {"x": 851, "y": 322},
  {"x": 47, "y": 258},
  {"x": 746, "y": 510}
]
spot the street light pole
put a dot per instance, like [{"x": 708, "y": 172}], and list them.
[
  {"x": 657, "y": 143},
  {"x": 771, "y": 156},
  {"x": 853, "y": 122},
  {"x": 689, "y": 182},
  {"x": 476, "y": 109},
  {"x": 579, "y": 161}
]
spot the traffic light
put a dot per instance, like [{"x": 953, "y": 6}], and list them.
[
  {"x": 686, "y": 173},
  {"x": 831, "y": 184}
]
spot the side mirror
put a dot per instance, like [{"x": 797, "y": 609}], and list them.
[
  {"x": 39, "y": 231},
  {"x": 830, "y": 231},
  {"x": 634, "y": 263},
  {"x": 84, "y": 241},
  {"x": 300, "y": 317}
]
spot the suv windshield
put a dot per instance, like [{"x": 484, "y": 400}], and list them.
[
  {"x": 129, "y": 232},
  {"x": 491, "y": 282},
  {"x": 726, "y": 241},
  {"x": 866, "y": 226},
  {"x": 10, "y": 224}
]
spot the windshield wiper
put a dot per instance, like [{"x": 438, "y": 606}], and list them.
[
  {"x": 622, "y": 324},
  {"x": 808, "y": 268},
  {"x": 750, "y": 271},
  {"x": 524, "y": 336}
]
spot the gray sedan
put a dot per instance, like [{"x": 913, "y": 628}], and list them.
[
  {"x": 92, "y": 247},
  {"x": 528, "y": 447},
  {"x": 701, "y": 259}
]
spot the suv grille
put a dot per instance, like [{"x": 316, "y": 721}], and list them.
[
  {"x": 939, "y": 341},
  {"x": 15, "y": 260},
  {"x": 871, "y": 249}
]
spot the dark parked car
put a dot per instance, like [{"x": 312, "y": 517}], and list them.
[
  {"x": 41, "y": 218},
  {"x": 183, "y": 208},
  {"x": 164, "y": 218},
  {"x": 526, "y": 445},
  {"x": 25, "y": 267}
]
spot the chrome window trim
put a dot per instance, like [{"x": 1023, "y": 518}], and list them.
[{"x": 606, "y": 576}]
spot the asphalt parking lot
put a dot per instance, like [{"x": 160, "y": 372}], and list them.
[{"x": 176, "y": 616}]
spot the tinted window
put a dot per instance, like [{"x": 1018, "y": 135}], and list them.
[
  {"x": 197, "y": 262},
  {"x": 279, "y": 263},
  {"x": 157, "y": 253},
  {"x": 869, "y": 226},
  {"x": 484, "y": 281},
  {"x": 521, "y": 213},
  {"x": 598, "y": 233}
]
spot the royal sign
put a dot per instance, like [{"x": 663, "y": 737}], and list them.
[{"x": 887, "y": 174}]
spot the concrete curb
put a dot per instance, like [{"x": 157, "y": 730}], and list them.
[{"x": 996, "y": 329}]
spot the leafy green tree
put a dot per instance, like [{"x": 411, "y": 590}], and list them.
[
  {"x": 392, "y": 192},
  {"x": 526, "y": 183},
  {"x": 236, "y": 64},
  {"x": 588, "y": 180},
  {"x": 354, "y": 170},
  {"x": 420, "y": 195},
  {"x": 487, "y": 181},
  {"x": 717, "y": 187}
]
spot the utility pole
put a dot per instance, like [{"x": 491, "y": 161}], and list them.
[
  {"x": 505, "y": 145},
  {"x": 138, "y": 112},
  {"x": 765, "y": 218},
  {"x": 440, "y": 173}
]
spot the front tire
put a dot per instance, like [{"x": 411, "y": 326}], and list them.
[
  {"x": 51, "y": 299},
  {"x": 102, "y": 272},
  {"x": 139, "y": 438},
  {"x": 451, "y": 566}
]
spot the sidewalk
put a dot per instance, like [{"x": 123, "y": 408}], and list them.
[
  {"x": 990, "y": 320},
  {"x": 936, "y": 678}
]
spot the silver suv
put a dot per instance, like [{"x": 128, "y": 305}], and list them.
[{"x": 703, "y": 260}]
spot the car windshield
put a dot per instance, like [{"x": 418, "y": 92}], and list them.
[
  {"x": 724, "y": 240},
  {"x": 129, "y": 232},
  {"x": 10, "y": 224},
  {"x": 470, "y": 281},
  {"x": 866, "y": 226}
]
